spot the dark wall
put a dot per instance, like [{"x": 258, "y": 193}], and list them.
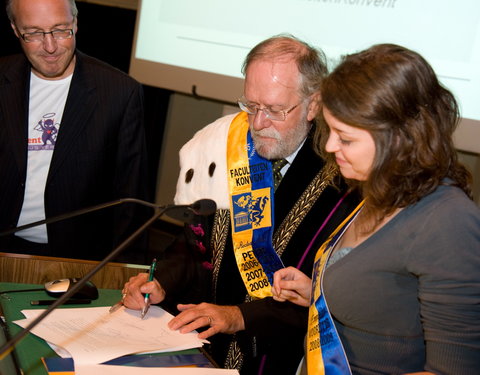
[
  {"x": 107, "y": 34},
  {"x": 8, "y": 41}
]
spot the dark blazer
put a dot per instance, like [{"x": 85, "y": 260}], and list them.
[
  {"x": 99, "y": 154},
  {"x": 276, "y": 330}
]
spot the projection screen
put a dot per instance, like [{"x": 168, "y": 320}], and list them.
[{"x": 198, "y": 47}]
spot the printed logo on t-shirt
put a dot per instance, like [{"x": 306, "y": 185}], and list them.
[{"x": 47, "y": 130}]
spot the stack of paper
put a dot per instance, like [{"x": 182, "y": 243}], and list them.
[{"x": 93, "y": 335}]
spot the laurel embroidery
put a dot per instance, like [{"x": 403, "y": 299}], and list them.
[
  {"x": 221, "y": 226},
  {"x": 301, "y": 208},
  {"x": 234, "y": 358}
]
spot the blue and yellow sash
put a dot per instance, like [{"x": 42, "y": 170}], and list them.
[
  {"x": 251, "y": 208},
  {"x": 325, "y": 354}
]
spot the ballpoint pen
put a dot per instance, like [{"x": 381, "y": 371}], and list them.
[
  {"x": 119, "y": 303},
  {"x": 147, "y": 295},
  {"x": 116, "y": 306}
]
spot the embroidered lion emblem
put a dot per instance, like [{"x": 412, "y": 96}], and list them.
[{"x": 256, "y": 210}]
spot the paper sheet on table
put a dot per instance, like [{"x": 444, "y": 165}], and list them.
[
  {"x": 129, "y": 370},
  {"x": 92, "y": 335}
]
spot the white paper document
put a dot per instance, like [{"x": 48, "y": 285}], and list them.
[{"x": 93, "y": 335}]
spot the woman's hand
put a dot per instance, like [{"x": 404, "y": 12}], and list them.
[{"x": 291, "y": 284}]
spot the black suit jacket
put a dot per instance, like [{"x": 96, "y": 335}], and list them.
[
  {"x": 276, "y": 330},
  {"x": 99, "y": 154}
]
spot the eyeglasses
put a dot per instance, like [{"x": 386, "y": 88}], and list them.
[
  {"x": 39, "y": 36},
  {"x": 276, "y": 115}
]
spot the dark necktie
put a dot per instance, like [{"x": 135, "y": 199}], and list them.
[{"x": 277, "y": 165}]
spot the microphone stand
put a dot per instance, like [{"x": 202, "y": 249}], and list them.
[
  {"x": 159, "y": 211},
  {"x": 82, "y": 211}
]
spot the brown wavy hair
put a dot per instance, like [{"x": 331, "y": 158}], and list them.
[{"x": 393, "y": 93}]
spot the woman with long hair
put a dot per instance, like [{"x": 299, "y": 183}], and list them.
[{"x": 396, "y": 289}]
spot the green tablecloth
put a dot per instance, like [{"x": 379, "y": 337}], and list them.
[{"x": 31, "y": 348}]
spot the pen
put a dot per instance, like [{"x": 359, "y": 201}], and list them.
[
  {"x": 147, "y": 295},
  {"x": 67, "y": 302},
  {"x": 116, "y": 306}
]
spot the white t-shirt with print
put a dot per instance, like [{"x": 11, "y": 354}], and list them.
[{"x": 47, "y": 102}]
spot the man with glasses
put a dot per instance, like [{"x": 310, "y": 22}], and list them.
[
  {"x": 72, "y": 136},
  {"x": 231, "y": 161}
]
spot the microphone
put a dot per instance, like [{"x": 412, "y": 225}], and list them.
[{"x": 201, "y": 207}]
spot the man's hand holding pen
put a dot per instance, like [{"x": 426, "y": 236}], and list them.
[
  {"x": 216, "y": 319},
  {"x": 136, "y": 289}
]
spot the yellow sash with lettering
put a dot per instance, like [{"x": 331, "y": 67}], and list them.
[
  {"x": 325, "y": 354},
  {"x": 251, "y": 208}
]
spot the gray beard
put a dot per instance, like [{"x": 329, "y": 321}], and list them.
[{"x": 284, "y": 146}]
